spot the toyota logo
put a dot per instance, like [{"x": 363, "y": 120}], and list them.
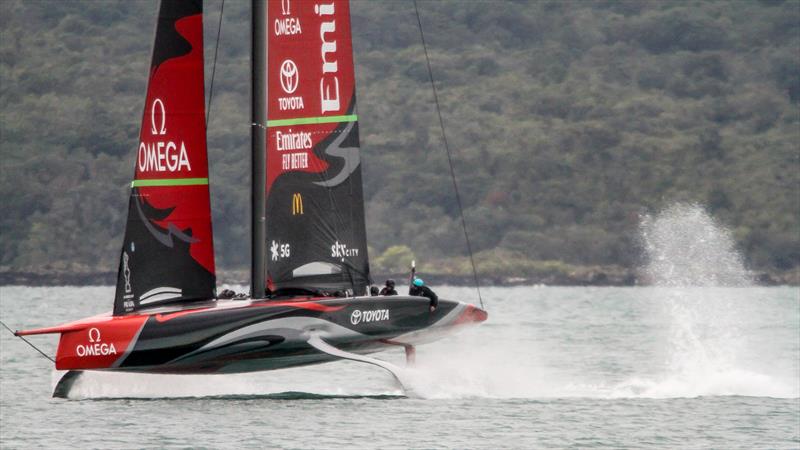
[
  {"x": 355, "y": 317},
  {"x": 290, "y": 77}
]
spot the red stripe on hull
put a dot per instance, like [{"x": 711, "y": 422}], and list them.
[{"x": 98, "y": 345}]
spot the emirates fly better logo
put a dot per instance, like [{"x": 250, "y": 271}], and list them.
[{"x": 290, "y": 77}]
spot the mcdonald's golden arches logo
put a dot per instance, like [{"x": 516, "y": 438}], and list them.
[{"x": 297, "y": 204}]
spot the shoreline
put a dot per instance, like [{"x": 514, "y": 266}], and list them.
[{"x": 585, "y": 277}]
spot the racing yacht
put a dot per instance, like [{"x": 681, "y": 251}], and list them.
[{"x": 309, "y": 301}]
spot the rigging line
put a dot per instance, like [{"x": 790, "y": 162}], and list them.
[
  {"x": 214, "y": 66},
  {"x": 27, "y": 342},
  {"x": 449, "y": 157}
]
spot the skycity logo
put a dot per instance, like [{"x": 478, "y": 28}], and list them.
[
  {"x": 341, "y": 250},
  {"x": 375, "y": 315},
  {"x": 161, "y": 155},
  {"x": 95, "y": 346}
]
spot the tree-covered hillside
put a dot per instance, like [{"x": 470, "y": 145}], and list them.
[{"x": 568, "y": 120}]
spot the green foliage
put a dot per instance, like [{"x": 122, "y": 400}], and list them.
[
  {"x": 395, "y": 259},
  {"x": 567, "y": 120}
]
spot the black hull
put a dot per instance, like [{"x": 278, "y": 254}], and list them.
[
  {"x": 256, "y": 338},
  {"x": 237, "y": 336}
]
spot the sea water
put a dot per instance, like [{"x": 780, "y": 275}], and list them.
[
  {"x": 590, "y": 367},
  {"x": 700, "y": 359}
]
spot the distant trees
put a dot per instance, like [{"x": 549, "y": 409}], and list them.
[
  {"x": 568, "y": 120},
  {"x": 395, "y": 259}
]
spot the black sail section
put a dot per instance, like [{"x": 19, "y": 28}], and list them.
[
  {"x": 156, "y": 265},
  {"x": 167, "y": 253},
  {"x": 316, "y": 236}
]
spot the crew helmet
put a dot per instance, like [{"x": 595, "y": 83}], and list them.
[
  {"x": 418, "y": 282},
  {"x": 390, "y": 283}
]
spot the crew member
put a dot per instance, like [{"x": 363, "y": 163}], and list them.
[
  {"x": 419, "y": 289},
  {"x": 373, "y": 290},
  {"x": 388, "y": 289}
]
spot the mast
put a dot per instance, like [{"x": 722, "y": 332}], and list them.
[{"x": 258, "y": 111}]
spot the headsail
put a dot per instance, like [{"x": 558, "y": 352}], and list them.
[
  {"x": 316, "y": 235},
  {"x": 168, "y": 251}
]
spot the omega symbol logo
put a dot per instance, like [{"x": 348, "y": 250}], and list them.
[
  {"x": 290, "y": 77},
  {"x": 94, "y": 335},
  {"x": 285, "y": 7},
  {"x": 158, "y": 105}
]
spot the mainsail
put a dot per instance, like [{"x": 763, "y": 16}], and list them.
[
  {"x": 168, "y": 251},
  {"x": 315, "y": 235}
]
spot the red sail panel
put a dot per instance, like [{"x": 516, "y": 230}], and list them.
[
  {"x": 311, "y": 81},
  {"x": 168, "y": 252},
  {"x": 316, "y": 236}
]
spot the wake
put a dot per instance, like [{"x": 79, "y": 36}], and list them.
[
  {"x": 702, "y": 299},
  {"x": 457, "y": 372}
]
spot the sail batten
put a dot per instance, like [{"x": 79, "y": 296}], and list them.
[
  {"x": 312, "y": 120},
  {"x": 168, "y": 253},
  {"x": 170, "y": 182}
]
